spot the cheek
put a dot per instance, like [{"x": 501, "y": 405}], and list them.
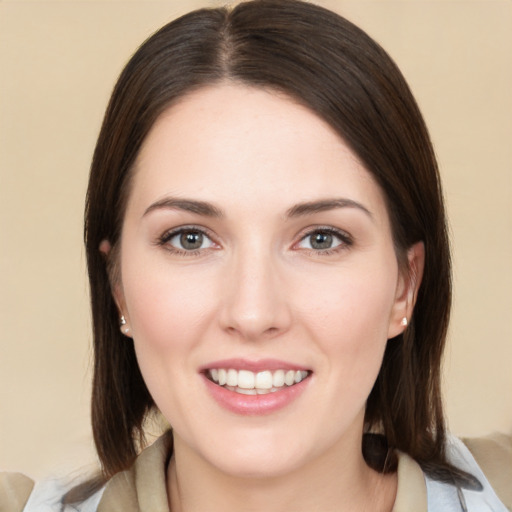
[
  {"x": 352, "y": 305},
  {"x": 159, "y": 298},
  {"x": 348, "y": 314},
  {"x": 168, "y": 311}
]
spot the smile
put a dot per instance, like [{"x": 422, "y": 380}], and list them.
[{"x": 255, "y": 383}]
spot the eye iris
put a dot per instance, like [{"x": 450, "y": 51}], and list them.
[
  {"x": 191, "y": 240},
  {"x": 321, "y": 240}
]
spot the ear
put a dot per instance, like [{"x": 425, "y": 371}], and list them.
[
  {"x": 408, "y": 284},
  {"x": 116, "y": 286}
]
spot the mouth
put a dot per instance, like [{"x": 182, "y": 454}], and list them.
[{"x": 263, "y": 382}]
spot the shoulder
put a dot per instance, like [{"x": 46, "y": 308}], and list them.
[
  {"x": 144, "y": 485},
  {"x": 493, "y": 495},
  {"x": 19, "y": 493},
  {"x": 493, "y": 454},
  {"x": 15, "y": 490},
  {"x": 141, "y": 487}
]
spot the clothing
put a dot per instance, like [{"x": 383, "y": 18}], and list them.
[
  {"x": 142, "y": 488},
  {"x": 441, "y": 496}
]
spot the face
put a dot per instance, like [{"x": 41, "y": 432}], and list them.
[{"x": 258, "y": 279}]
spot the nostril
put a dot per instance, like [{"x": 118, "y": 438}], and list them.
[{"x": 252, "y": 332}]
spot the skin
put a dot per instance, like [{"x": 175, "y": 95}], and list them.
[{"x": 257, "y": 288}]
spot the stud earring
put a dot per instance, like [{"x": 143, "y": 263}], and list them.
[
  {"x": 404, "y": 321},
  {"x": 125, "y": 329}
]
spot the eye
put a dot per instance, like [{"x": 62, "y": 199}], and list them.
[
  {"x": 324, "y": 240},
  {"x": 187, "y": 240}
]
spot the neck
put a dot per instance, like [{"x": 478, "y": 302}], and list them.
[{"x": 332, "y": 483}]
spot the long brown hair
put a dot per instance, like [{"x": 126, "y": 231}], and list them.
[{"x": 329, "y": 65}]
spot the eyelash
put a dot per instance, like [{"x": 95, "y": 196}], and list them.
[
  {"x": 346, "y": 241},
  {"x": 169, "y": 235}
]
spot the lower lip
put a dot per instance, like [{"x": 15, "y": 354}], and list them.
[{"x": 254, "y": 405}]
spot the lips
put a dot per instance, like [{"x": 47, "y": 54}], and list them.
[{"x": 251, "y": 388}]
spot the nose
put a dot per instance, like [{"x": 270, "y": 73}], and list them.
[{"x": 255, "y": 304}]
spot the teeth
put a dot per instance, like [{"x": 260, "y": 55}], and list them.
[
  {"x": 263, "y": 380},
  {"x": 278, "y": 379},
  {"x": 250, "y": 383},
  {"x": 245, "y": 379},
  {"x": 232, "y": 378},
  {"x": 246, "y": 391},
  {"x": 289, "y": 378}
]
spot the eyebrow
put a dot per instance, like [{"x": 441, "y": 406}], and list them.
[
  {"x": 189, "y": 205},
  {"x": 207, "y": 209},
  {"x": 323, "y": 205}
]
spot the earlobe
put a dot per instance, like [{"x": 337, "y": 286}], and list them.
[
  {"x": 408, "y": 285},
  {"x": 105, "y": 248}
]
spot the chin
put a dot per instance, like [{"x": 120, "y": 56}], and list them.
[
  {"x": 260, "y": 458},
  {"x": 258, "y": 467}
]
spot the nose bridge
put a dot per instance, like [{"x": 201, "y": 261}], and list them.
[{"x": 256, "y": 303}]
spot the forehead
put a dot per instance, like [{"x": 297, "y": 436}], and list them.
[{"x": 247, "y": 146}]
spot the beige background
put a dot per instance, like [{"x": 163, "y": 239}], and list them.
[{"x": 58, "y": 63}]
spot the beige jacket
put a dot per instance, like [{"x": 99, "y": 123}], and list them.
[{"x": 142, "y": 488}]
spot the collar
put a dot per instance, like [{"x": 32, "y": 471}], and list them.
[{"x": 143, "y": 486}]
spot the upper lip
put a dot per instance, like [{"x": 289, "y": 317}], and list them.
[{"x": 257, "y": 365}]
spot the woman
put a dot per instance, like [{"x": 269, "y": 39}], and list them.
[{"x": 269, "y": 268}]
